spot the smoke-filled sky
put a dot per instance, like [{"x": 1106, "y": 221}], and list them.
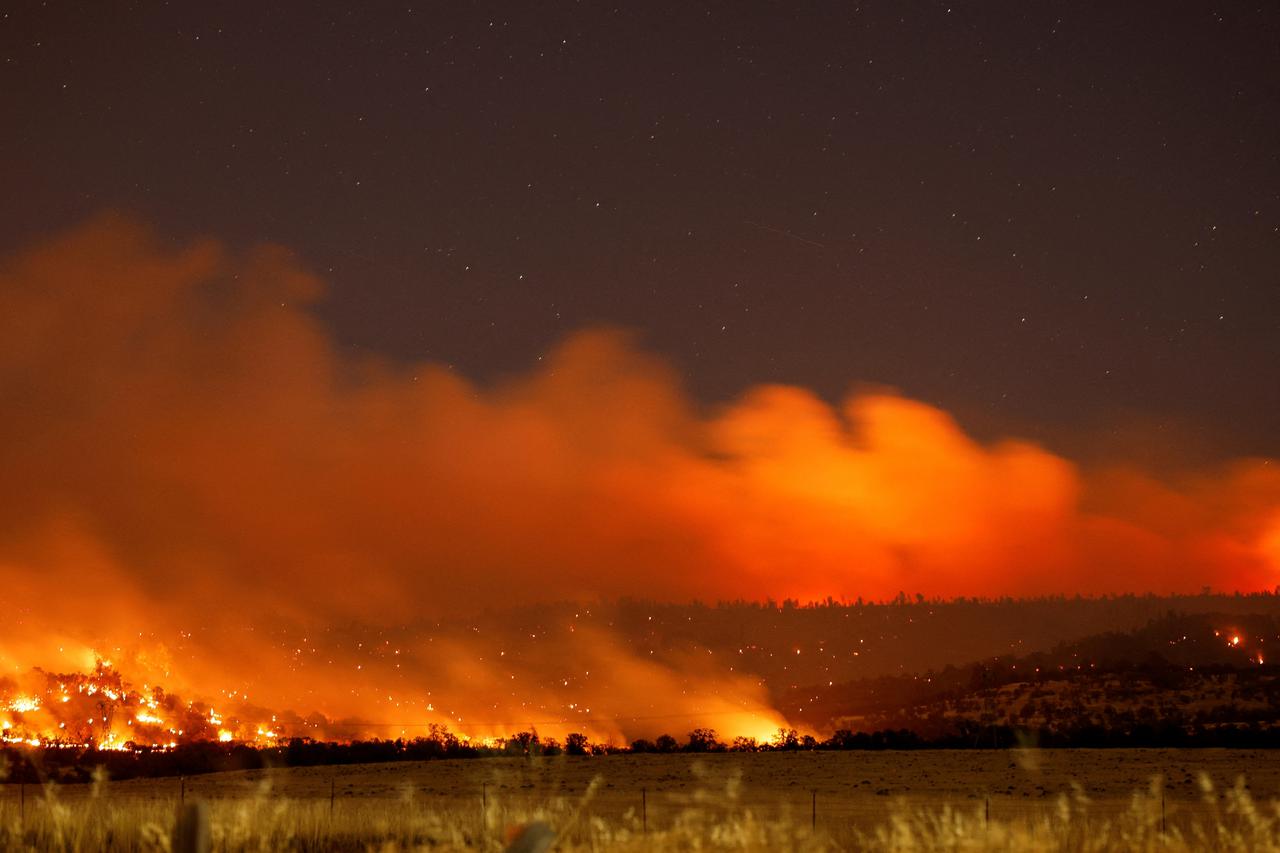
[
  {"x": 180, "y": 426},
  {"x": 1050, "y": 219},
  {"x": 319, "y": 315}
]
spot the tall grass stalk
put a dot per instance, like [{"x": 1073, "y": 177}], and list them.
[{"x": 714, "y": 816}]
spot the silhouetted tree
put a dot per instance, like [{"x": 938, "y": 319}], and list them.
[
  {"x": 523, "y": 743},
  {"x": 576, "y": 744},
  {"x": 703, "y": 740}
]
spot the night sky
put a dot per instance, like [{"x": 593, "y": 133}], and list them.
[{"x": 1060, "y": 220}]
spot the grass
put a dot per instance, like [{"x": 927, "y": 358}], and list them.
[{"x": 710, "y": 806}]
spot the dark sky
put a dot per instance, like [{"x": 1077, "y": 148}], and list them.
[{"x": 1060, "y": 219}]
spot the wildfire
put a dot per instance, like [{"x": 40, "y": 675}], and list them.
[{"x": 102, "y": 710}]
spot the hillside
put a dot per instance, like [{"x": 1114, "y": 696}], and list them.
[{"x": 1182, "y": 672}]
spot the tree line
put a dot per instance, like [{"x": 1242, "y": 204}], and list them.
[{"x": 72, "y": 765}]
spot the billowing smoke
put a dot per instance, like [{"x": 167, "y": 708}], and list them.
[{"x": 188, "y": 459}]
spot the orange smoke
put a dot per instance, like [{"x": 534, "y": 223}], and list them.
[{"x": 187, "y": 455}]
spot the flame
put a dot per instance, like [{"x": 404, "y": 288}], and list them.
[
  {"x": 101, "y": 710},
  {"x": 104, "y": 710}
]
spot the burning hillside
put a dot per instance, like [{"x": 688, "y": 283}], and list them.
[
  {"x": 101, "y": 710},
  {"x": 366, "y": 683}
]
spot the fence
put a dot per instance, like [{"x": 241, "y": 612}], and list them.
[{"x": 644, "y": 809}]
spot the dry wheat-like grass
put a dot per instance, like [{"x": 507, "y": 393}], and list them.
[{"x": 714, "y": 816}]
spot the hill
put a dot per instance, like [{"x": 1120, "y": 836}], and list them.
[{"x": 1179, "y": 675}]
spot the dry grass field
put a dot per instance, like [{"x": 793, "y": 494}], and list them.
[{"x": 1067, "y": 800}]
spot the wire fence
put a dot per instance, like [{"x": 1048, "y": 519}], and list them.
[{"x": 646, "y": 807}]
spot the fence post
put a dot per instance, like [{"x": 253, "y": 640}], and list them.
[
  {"x": 22, "y": 802},
  {"x": 484, "y": 796},
  {"x": 644, "y": 811},
  {"x": 182, "y": 789},
  {"x": 191, "y": 831},
  {"x": 535, "y": 837},
  {"x": 813, "y": 814},
  {"x": 332, "y": 787}
]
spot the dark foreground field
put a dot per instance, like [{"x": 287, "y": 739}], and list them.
[{"x": 1021, "y": 799}]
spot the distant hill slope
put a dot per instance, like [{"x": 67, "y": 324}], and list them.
[
  {"x": 1182, "y": 670},
  {"x": 791, "y": 645}
]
